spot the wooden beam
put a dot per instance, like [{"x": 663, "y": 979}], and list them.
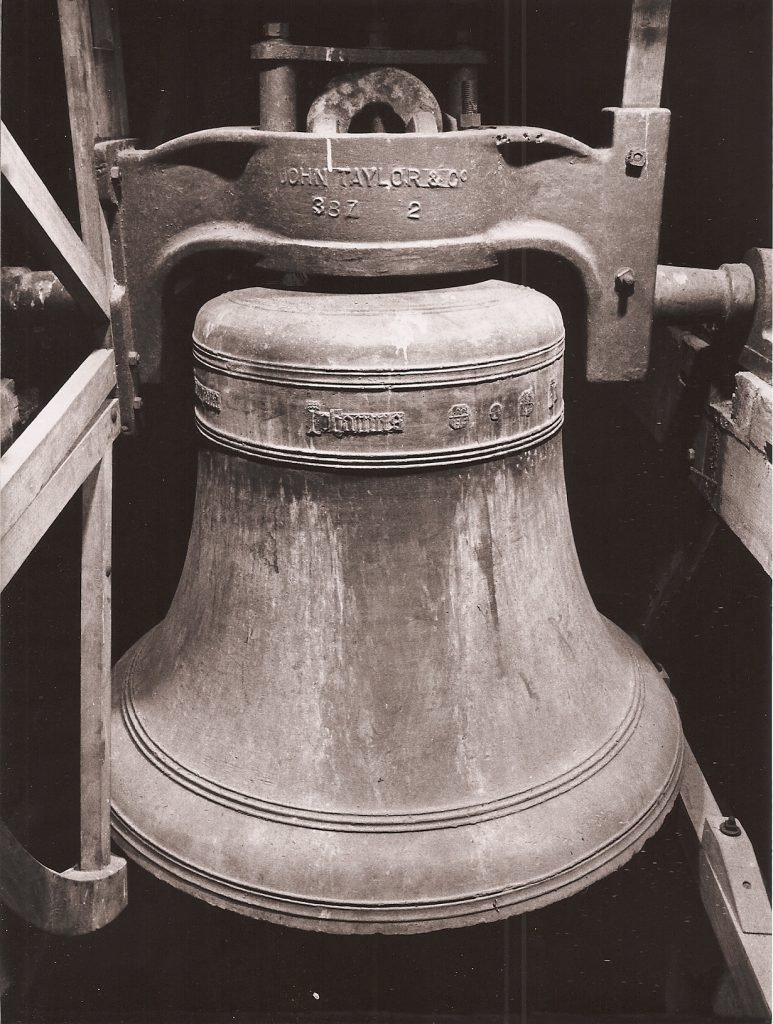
[
  {"x": 28, "y": 464},
  {"x": 64, "y": 482},
  {"x": 96, "y": 101},
  {"x": 732, "y": 892},
  {"x": 71, "y": 903},
  {"x": 646, "y": 57},
  {"x": 111, "y": 116},
  {"x": 80, "y": 80},
  {"x": 732, "y": 467},
  {"x": 70, "y": 260},
  {"x": 95, "y": 665}
]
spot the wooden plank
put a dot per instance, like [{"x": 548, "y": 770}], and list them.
[
  {"x": 111, "y": 116},
  {"x": 29, "y": 462},
  {"x": 70, "y": 259},
  {"x": 646, "y": 57},
  {"x": 71, "y": 903},
  {"x": 25, "y": 533},
  {"x": 732, "y": 464},
  {"x": 722, "y": 868},
  {"x": 96, "y": 100},
  {"x": 95, "y": 665},
  {"x": 80, "y": 80}
]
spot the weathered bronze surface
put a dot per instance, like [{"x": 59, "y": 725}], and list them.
[{"x": 382, "y": 698}]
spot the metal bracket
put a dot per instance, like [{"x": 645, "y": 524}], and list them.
[{"x": 400, "y": 204}]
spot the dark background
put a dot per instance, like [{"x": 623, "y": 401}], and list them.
[{"x": 637, "y": 941}]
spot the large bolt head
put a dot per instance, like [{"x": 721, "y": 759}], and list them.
[{"x": 625, "y": 281}]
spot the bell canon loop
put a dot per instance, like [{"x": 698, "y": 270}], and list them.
[{"x": 382, "y": 699}]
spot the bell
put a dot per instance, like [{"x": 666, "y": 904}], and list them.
[{"x": 382, "y": 699}]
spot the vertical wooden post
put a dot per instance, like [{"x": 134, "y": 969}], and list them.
[
  {"x": 80, "y": 79},
  {"x": 95, "y": 666},
  {"x": 111, "y": 118}
]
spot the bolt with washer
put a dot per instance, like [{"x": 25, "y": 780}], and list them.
[{"x": 730, "y": 827}]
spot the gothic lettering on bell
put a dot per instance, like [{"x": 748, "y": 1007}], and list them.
[
  {"x": 347, "y": 424},
  {"x": 374, "y": 177},
  {"x": 458, "y": 416},
  {"x": 207, "y": 396},
  {"x": 495, "y": 412},
  {"x": 552, "y": 395},
  {"x": 526, "y": 403}
]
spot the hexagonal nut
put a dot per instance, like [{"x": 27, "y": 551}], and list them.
[
  {"x": 469, "y": 119},
  {"x": 625, "y": 281}
]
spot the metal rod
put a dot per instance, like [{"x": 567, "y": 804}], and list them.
[
  {"x": 687, "y": 294},
  {"x": 277, "y": 87}
]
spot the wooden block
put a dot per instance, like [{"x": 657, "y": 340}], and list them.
[
  {"x": 732, "y": 464},
  {"x": 70, "y": 259},
  {"x": 29, "y": 462},
  {"x": 71, "y": 903},
  {"x": 63, "y": 483}
]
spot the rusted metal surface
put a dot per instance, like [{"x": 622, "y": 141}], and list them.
[
  {"x": 382, "y": 699},
  {"x": 688, "y": 294},
  {"x": 34, "y": 292},
  {"x": 399, "y": 204},
  {"x": 756, "y": 354},
  {"x": 282, "y": 50},
  {"x": 406, "y": 96}
]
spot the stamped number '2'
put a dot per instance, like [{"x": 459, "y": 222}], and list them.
[{"x": 414, "y": 210}]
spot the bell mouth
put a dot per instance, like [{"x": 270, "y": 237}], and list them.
[{"x": 377, "y": 880}]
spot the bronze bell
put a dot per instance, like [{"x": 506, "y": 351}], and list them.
[{"x": 382, "y": 699}]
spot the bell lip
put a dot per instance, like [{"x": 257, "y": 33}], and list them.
[
  {"x": 412, "y": 917},
  {"x": 339, "y": 917},
  {"x": 331, "y": 821}
]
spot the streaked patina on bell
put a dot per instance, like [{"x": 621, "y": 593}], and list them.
[{"x": 382, "y": 699}]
